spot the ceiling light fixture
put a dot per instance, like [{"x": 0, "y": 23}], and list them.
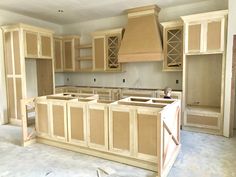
[{"x": 60, "y": 11}]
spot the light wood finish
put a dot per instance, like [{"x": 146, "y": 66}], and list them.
[
  {"x": 31, "y": 44},
  {"x": 205, "y": 33},
  {"x": 204, "y": 72},
  {"x": 136, "y": 134},
  {"x": 173, "y": 45},
  {"x": 99, "y": 53},
  {"x": 16, "y": 48},
  {"x": 77, "y": 126},
  {"x": 139, "y": 42},
  {"x": 45, "y": 77},
  {"x": 214, "y": 35},
  {"x": 46, "y": 46},
  {"x": 20, "y": 43},
  {"x": 98, "y": 125},
  {"x": 105, "y": 49},
  {"x": 70, "y": 53},
  {"x": 58, "y": 56},
  {"x": 194, "y": 38},
  {"x": 137, "y": 92}
]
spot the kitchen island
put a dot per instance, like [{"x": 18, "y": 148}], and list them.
[{"x": 139, "y": 131}]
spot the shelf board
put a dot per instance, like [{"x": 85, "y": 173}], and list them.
[
  {"x": 203, "y": 109},
  {"x": 85, "y": 46},
  {"x": 83, "y": 58}
]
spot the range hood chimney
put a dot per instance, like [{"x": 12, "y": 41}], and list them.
[{"x": 142, "y": 40}]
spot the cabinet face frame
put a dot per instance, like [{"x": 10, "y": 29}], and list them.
[
  {"x": 104, "y": 108},
  {"x": 70, "y": 139},
  {"x": 41, "y": 46},
  {"x": 131, "y": 113}
]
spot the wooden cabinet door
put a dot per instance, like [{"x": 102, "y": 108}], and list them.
[
  {"x": 147, "y": 133},
  {"x": 214, "y": 36},
  {"x": 45, "y": 46},
  {"x": 77, "y": 123},
  {"x": 31, "y": 44},
  {"x": 58, "y": 120},
  {"x": 98, "y": 126},
  {"x": 121, "y": 132},
  {"x": 42, "y": 119},
  {"x": 58, "y": 58},
  {"x": 68, "y": 55},
  {"x": 99, "y": 53},
  {"x": 194, "y": 38}
]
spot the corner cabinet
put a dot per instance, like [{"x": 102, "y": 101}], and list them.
[
  {"x": 205, "y": 33},
  {"x": 105, "y": 50},
  {"x": 173, "y": 45},
  {"x": 204, "y": 71},
  {"x": 58, "y": 55}
]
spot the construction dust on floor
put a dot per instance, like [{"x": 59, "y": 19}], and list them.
[{"x": 201, "y": 155}]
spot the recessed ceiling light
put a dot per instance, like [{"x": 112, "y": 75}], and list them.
[{"x": 60, "y": 11}]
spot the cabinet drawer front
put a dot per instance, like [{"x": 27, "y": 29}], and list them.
[
  {"x": 214, "y": 35},
  {"x": 207, "y": 121},
  {"x": 194, "y": 38}
]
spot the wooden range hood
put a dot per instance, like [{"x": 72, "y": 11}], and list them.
[{"x": 142, "y": 39}]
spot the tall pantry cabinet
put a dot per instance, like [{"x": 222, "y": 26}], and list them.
[
  {"x": 204, "y": 71},
  {"x": 24, "y": 43}
]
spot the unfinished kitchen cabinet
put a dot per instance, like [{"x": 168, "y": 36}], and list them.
[
  {"x": 105, "y": 50},
  {"x": 58, "y": 55},
  {"x": 173, "y": 45},
  {"x": 204, "y": 75},
  {"x": 23, "y": 43},
  {"x": 205, "y": 33},
  {"x": 70, "y": 52},
  {"x": 37, "y": 45}
]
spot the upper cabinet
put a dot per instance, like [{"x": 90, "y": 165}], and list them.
[
  {"x": 205, "y": 33},
  {"x": 70, "y": 43},
  {"x": 173, "y": 45},
  {"x": 105, "y": 50},
  {"x": 37, "y": 44}
]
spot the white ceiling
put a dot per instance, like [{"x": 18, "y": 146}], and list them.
[{"x": 79, "y": 10}]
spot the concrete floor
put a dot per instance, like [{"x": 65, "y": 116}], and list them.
[{"x": 201, "y": 155}]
